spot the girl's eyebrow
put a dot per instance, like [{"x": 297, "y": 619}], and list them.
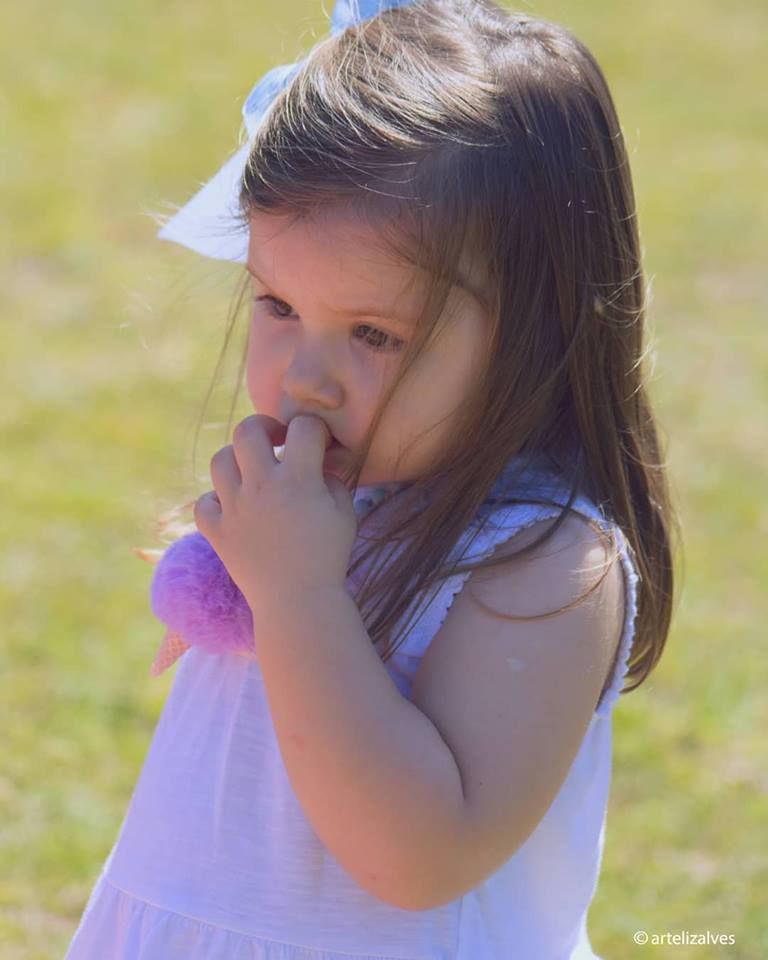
[{"x": 360, "y": 311}]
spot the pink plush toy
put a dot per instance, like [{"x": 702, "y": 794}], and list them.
[{"x": 194, "y": 596}]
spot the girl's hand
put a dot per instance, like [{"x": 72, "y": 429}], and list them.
[{"x": 279, "y": 528}]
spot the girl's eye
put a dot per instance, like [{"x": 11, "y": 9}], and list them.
[
  {"x": 377, "y": 340},
  {"x": 274, "y": 303}
]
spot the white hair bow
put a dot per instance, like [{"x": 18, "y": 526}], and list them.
[{"x": 210, "y": 223}]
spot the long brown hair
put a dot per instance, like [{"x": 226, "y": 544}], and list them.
[{"x": 484, "y": 146}]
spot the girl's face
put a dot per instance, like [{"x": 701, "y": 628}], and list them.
[{"x": 330, "y": 318}]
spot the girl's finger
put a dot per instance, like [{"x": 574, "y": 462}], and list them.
[
  {"x": 225, "y": 472},
  {"x": 207, "y": 510},
  {"x": 254, "y": 439},
  {"x": 306, "y": 441}
]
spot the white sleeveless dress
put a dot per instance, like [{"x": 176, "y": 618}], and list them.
[{"x": 215, "y": 859}]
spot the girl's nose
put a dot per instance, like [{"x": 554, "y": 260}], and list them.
[{"x": 313, "y": 378}]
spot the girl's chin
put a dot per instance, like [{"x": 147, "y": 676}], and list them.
[
  {"x": 336, "y": 462},
  {"x": 338, "y": 467}
]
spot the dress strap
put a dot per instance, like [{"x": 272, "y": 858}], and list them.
[{"x": 503, "y": 523}]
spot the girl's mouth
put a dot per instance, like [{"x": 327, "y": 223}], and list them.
[
  {"x": 334, "y": 448},
  {"x": 333, "y": 445}
]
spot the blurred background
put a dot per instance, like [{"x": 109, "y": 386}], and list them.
[{"x": 112, "y": 112}]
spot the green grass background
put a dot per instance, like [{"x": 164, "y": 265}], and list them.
[{"x": 108, "y": 341}]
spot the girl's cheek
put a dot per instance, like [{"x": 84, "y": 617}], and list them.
[{"x": 261, "y": 371}]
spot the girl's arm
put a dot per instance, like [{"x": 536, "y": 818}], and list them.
[
  {"x": 371, "y": 771},
  {"x": 420, "y": 800}
]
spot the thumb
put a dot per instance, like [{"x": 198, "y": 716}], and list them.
[{"x": 341, "y": 495}]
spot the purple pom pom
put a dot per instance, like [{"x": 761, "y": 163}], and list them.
[{"x": 193, "y": 594}]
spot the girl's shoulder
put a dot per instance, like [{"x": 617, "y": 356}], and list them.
[
  {"x": 524, "y": 496},
  {"x": 528, "y": 493}
]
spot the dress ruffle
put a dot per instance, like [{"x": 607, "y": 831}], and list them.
[{"x": 137, "y": 930}]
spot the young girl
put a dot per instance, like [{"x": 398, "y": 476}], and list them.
[{"x": 462, "y": 553}]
